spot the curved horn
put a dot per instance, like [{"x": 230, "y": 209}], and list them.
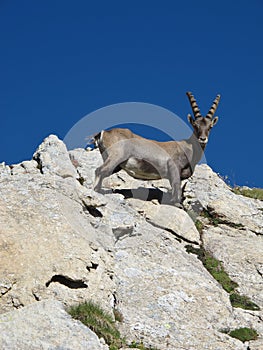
[
  {"x": 194, "y": 106},
  {"x": 212, "y": 110}
]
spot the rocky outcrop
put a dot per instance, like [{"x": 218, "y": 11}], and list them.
[
  {"x": 209, "y": 191},
  {"x": 233, "y": 229},
  {"x": 45, "y": 325},
  {"x": 62, "y": 243}
]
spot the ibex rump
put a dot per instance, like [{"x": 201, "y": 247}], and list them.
[{"x": 151, "y": 160}]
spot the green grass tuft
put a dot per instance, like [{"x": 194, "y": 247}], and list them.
[
  {"x": 103, "y": 324},
  {"x": 135, "y": 345},
  {"x": 118, "y": 315},
  {"x": 199, "y": 225},
  {"x": 99, "y": 321},
  {"x": 243, "y": 302},
  {"x": 244, "y": 334},
  {"x": 215, "y": 220},
  {"x": 256, "y": 193},
  {"x": 216, "y": 269}
]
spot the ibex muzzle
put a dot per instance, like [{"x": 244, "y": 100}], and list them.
[{"x": 151, "y": 160}]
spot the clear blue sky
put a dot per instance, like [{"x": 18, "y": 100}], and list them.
[{"x": 61, "y": 60}]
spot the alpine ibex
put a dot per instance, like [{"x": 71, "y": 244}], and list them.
[{"x": 151, "y": 160}]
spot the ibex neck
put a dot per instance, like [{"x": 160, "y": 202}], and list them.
[{"x": 198, "y": 149}]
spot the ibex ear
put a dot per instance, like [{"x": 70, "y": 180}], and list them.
[
  {"x": 190, "y": 119},
  {"x": 214, "y": 121}
]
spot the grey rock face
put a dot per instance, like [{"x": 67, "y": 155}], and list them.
[
  {"x": 237, "y": 238},
  {"x": 5, "y": 170},
  {"x": 45, "y": 325},
  {"x": 169, "y": 218},
  {"x": 161, "y": 291},
  {"x": 86, "y": 162},
  {"x": 241, "y": 252},
  {"x": 209, "y": 191},
  {"x": 52, "y": 157},
  {"x": 47, "y": 240},
  {"x": 61, "y": 241}
]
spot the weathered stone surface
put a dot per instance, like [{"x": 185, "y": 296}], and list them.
[
  {"x": 208, "y": 190},
  {"x": 169, "y": 218},
  {"x": 242, "y": 254},
  {"x": 86, "y": 162},
  {"x": 28, "y": 166},
  {"x": 60, "y": 240},
  {"x": 45, "y": 325},
  {"x": 45, "y": 233},
  {"x": 52, "y": 157},
  {"x": 5, "y": 170},
  {"x": 162, "y": 289}
]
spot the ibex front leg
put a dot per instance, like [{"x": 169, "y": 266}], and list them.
[
  {"x": 175, "y": 181},
  {"x": 106, "y": 170}
]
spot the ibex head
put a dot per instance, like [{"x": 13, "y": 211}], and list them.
[{"x": 202, "y": 125}]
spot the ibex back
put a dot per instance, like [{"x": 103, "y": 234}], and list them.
[{"x": 151, "y": 160}]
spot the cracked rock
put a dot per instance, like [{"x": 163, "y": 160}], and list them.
[
  {"x": 45, "y": 325},
  {"x": 52, "y": 157}
]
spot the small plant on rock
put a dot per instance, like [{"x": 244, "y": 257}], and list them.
[
  {"x": 118, "y": 315},
  {"x": 243, "y": 302},
  {"x": 256, "y": 193},
  {"x": 140, "y": 346},
  {"x": 244, "y": 334},
  {"x": 214, "y": 266},
  {"x": 99, "y": 321},
  {"x": 215, "y": 219},
  {"x": 216, "y": 269},
  {"x": 199, "y": 226}
]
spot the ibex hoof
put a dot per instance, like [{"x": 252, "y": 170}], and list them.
[{"x": 178, "y": 205}]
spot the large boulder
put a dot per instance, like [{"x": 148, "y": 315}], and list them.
[
  {"x": 208, "y": 191},
  {"x": 45, "y": 325}
]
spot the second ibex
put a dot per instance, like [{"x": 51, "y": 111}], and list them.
[{"x": 152, "y": 160}]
